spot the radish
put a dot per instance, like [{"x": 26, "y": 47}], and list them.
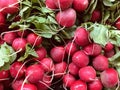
[
  {"x": 41, "y": 52},
  {"x": 87, "y": 73},
  {"x": 66, "y": 18},
  {"x": 17, "y": 84},
  {"x": 50, "y": 4},
  {"x": 9, "y": 6},
  {"x": 80, "y": 5},
  {"x": 78, "y": 85},
  {"x": 17, "y": 70},
  {"x": 95, "y": 85},
  {"x": 27, "y": 86},
  {"x": 81, "y": 36},
  {"x": 68, "y": 80},
  {"x": 23, "y": 33},
  {"x": 109, "y": 78},
  {"x": 110, "y": 53},
  {"x": 63, "y": 4},
  {"x": 93, "y": 49},
  {"x": 19, "y": 44},
  {"x": 80, "y": 59},
  {"x": 57, "y": 53},
  {"x": 96, "y": 16},
  {"x": 34, "y": 73},
  {"x": 73, "y": 69},
  {"x": 60, "y": 69},
  {"x": 100, "y": 62},
  {"x": 71, "y": 48},
  {"x": 108, "y": 47},
  {"x": 9, "y": 37},
  {"x": 47, "y": 64},
  {"x": 34, "y": 39},
  {"x": 2, "y": 19},
  {"x": 117, "y": 24},
  {"x": 1, "y": 86},
  {"x": 4, "y": 74}
]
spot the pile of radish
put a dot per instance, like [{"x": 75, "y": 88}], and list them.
[{"x": 59, "y": 44}]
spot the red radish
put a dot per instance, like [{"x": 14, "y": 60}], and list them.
[
  {"x": 108, "y": 47},
  {"x": 117, "y": 24},
  {"x": 17, "y": 84},
  {"x": 1, "y": 86},
  {"x": 9, "y": 6},
  {"x": 71, "y": 48},
  {"x": 17, "y": 70},
  {"x": 96, "y": 16},
  {"x": 4, "y": 74},
  {"x": 50, "y": 4},
  {"x": 73, "y": 69},
  {"x": 109, "y": 78},
  {"x": 22, "y": 33},
  {"x": 19, "y": 43},
  {"x": 57, "y": 53},
  {"x": 81, "y": 36},
  {"x": 80, "y": 59},
  {"x": 34, "y": 39},
  {"x": 95, "y": 85},
  {"x": 110, "y": 53},
  {"x": 47, "y": 64},
  {"x": 27, "y": 86},
  {"x": 93, "y": 49},
  {"x": 87, "y": 73},
  {"x": 66, "y": 18},
  {"x": 41, "y": 52},
  {"x": 68, "y": 80},
  {"x": 60, "y": 69},
  {"x": 9, "y": 37},
  {"x": 17, "y": 18},
  {"x": 100, "y": 62},
  {"x": 63, "y": 4},
  {"x": 80, "y": 5},
  {"x": 78, "y": 85},
  {"x": 2, "y": 19},
  {"x": 35, "y": 73}
]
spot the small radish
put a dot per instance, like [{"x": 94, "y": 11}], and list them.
[
  {"x": 110, "y": 53},
  {"x": 95, "y": 85},
  {"x": 23, "y": 33},
  {"x": 50, "y": 4},
  {"x": 117, "y": 24},
  {"x": 80, "y": 5},
  {"x": 108, "y": 47},
  {"x": 17, "y": 70},
  {"x": 80, "y": 59},
  {"x": 17, "y": 84},
  {"x": 9, "y": 37},
  {"x": 109, "y": 78},
  {"x": 34, "y": 39},
  {"x": 63, "y": 4},
  {"x": 81, "y": 36},
  {"x": 19, "y": 44},
  {"x": 4, "y": 74},
  {"x": 87, "y": 73},
  {"x": 2, "y": 19},
  {"x": 57, "y": 53},
  {"x": 100, "y": 62},
  {"x": 93, "y": 49},
  {"x": 66, "y": 18},
  {"x": 73, "y": 69},
  {"x": 96, "y": 16},
  {"x": 35, "y": 73},
  {"x": 60, "y": 69},
  {"x": 68, "y": 80},
  {"x": 1, "y": 86},
  {"x": 78, "y": 85}
]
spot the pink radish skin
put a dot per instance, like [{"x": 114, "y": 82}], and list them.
[
  {"x": 66, "y": 18},
  {"x": 68, "y": 80},
  {"x": 19, "y": 43},
  {"x": 80, "y": 59},
  {"x": 87, "y": 73},
  {"x": 110, "y": 53},
  {"x": 95, "y": 85},
  {"x": 17, "y": 84},
  {"x": 108, "y": 47},
  {"x": 4, "y": 74},
  {"x": 93, "y": 49},
  {"x": 2, "y": 19},
  {"x": 117, "y": 24},
  {"x": 63, "y": 4},
  {"x": 100, "y": 63},
  {"x": 9, "y": 37},
  {"x": 71, "y": 48},
  {"x": 34, "y": 39},
  {"x": 109, "y": 78},
  {"x": 73, "y": 69},
  {"x": 35, "y": 73},
  {"x": 50, "y": 4},
  {"x": 96, "y": 16},
  {"x": 60, "y": 69},
  {"x": 1, "y": 86},
  {"x": 57, "y": 53},
  {"x": 78, "y": 85},
  {"x": 80, "y": 5},
  {"x": 81, "y": 36},
  {"x": 16, "y": 68}
]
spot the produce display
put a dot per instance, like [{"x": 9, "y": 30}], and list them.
[{"x": 59, "y": 44}]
